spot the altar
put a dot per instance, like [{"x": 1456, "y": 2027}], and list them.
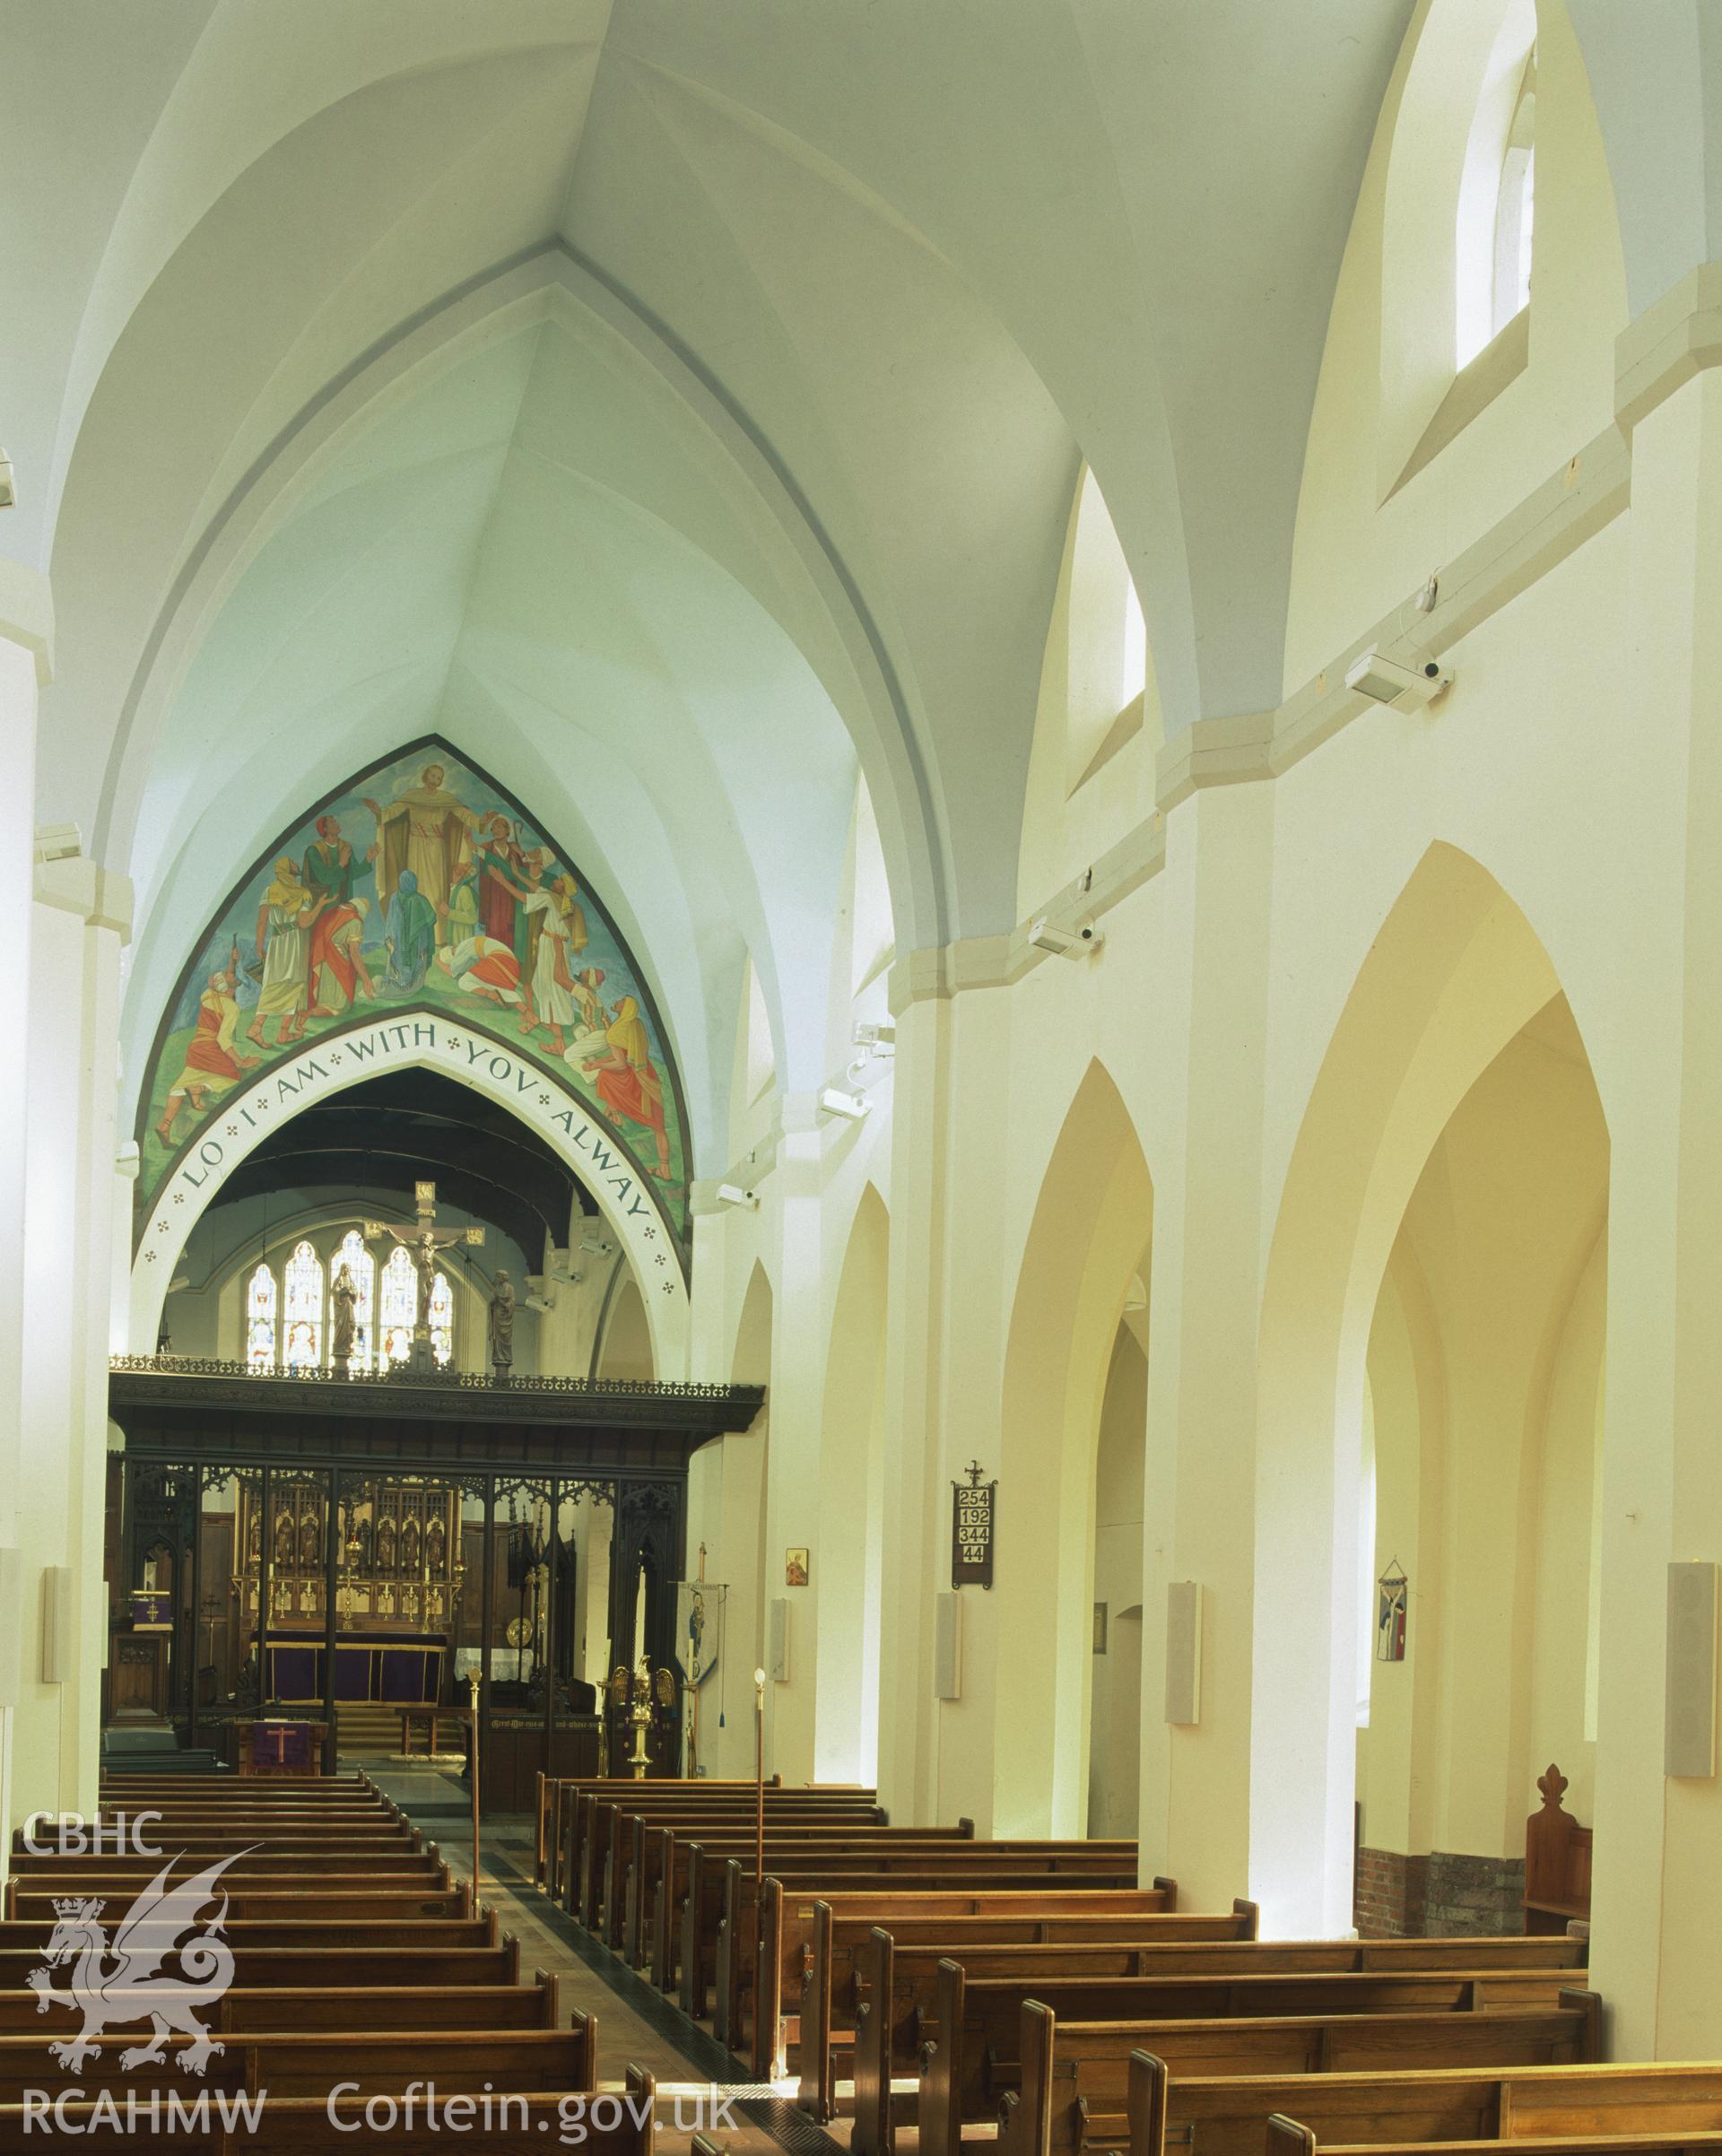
[{"x": 392, "y": 1669}]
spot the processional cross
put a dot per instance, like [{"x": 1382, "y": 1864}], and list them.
[{"x": 427, "y": 1242}]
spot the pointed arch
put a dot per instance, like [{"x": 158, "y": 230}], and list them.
[
  {"x": 1092, "y": 1220},
  {"x": 415, "y": 1035},
  {"x": 1455, "y": 974}
]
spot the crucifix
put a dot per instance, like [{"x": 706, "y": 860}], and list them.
[{"x": 427, "y": 1242}]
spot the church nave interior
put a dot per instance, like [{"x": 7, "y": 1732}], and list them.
[{"x": 861, "y": 860}]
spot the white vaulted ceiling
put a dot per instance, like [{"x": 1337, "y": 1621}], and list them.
[{"x": 676, "y": 406}]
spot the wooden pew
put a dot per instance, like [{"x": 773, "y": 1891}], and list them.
[
  {"x": 1075, "y": 2092},
  {"x": 501, "y": 2125},
  {"x": 536, "y": 2005},
  {"x": 304, "y": 1845},
  {"x": 312, "y": 2063},
  {"x": 766, "y": 1936},
  {"x": 311, "y": 1961},
  {"x": 336, "y": 1902},
  {"x": 428, "y": 1934},
  {"x": 645, "y": 1852},
  {"x": 555, "y": 1793},
  {"x": 858, "y": 1971},
  {"x": 687, "y": 1924},
  {"x": 912, "y": 1989},
  {"x": 1216, "y": 2117},
  {"x": 598, "y": 1816},
  {"x": 1557, "y": 1861},
  {"x": 1657, "y": 2120},
  {"x": 578, "y": 1869},
  {"x": 982, "y": 2025},
  {"x": 638, "y": 1841},
  {"x": 396, "y": 1872}
]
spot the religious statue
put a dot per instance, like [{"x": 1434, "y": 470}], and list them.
[
  {"x": 502, "y": 1328},
  {"x": 343, "y": 1303}
]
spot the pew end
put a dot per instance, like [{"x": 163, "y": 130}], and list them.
[
  {"x": 1250, "y": 1915},
  {"x": 1169, "y": 1887},
  {"x": 1589, "y": 2003},
  {"x": 1145, "y": 2106},
  {"x": 1286, "y": 2137},
  {"x": 641, "y": 2085},
  {"x": 584, "y": 2028}
]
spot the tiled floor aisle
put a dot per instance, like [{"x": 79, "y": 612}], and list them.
[{"x": 635, "y": 2023}]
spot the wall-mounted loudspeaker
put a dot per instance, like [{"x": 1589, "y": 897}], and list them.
[
  {"x": 1184, "y": 1652},
  {"x": 59, "y": 1635},
  {"x": 1689, "y": 1727},
  {"x": 12, "y": 1627},
  {"x": 777, "y": 1656},
  {"x": 947, "y": 1646}
]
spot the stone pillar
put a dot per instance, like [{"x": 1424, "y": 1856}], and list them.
[
  {"x": 25, "y": 623},
  {"x": 800, "y": 1328},
  {"x": 914, "y": 1310},
  {"x": 1659, "y": 1841},
  {"x": 1237, "y": 1802},
  {"x": 946, "y": 1321},
  {"x": 80, "y": 918}
]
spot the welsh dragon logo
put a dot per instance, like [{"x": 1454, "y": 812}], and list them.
[{"x": 128, "y": 1981}]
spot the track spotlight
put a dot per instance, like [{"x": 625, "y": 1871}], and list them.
[
  {"x": 732, "y": 1194},
  {"x": 1066, "y": 942},
  {"x": 851, "y": 1107},
  {"x": 1404, "y": 688}
]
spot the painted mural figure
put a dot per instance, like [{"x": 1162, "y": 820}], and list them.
[
  {"x": 548, "y": 1001},
  {"x": 285, "y": 920},
  {"x": 339, "y": 968},
  {"x": 501, "y": 865},
  {"x": 337, "y": 962},
  {"x": 410, "y": 932},
  {"x": 427, "y": 831},
  {"x": 483, "y": 966},
  {"x": 463, "y": 904},
  {"x": 211, "y": 1068},
  {"x": 628, "y": 1082}
]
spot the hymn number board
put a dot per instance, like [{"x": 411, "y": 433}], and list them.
[{"x": 971, "y": 1531}]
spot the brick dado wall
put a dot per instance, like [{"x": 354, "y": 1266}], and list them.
[
  {"x": 1473, "y": 1897},
  {"x": 1388, "y": 1898},
  {"x": 1437, "y": 1897}
]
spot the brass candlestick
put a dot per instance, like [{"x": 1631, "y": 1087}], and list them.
[{"x": 634, "y": 1697}]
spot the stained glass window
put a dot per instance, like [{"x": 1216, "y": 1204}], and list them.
[
  {"x": 442, "y": 1318},
  {"x": 353, "y": 1255},
  {"x": 302, "y": 1348},
  {"x": 400, "y": 1307},
  {"x": 260, "y": 1320}
]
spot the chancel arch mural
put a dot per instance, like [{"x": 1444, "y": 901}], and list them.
[
  {"x": 417, "y": 918},
  {"x": 420, "y": 881}
]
